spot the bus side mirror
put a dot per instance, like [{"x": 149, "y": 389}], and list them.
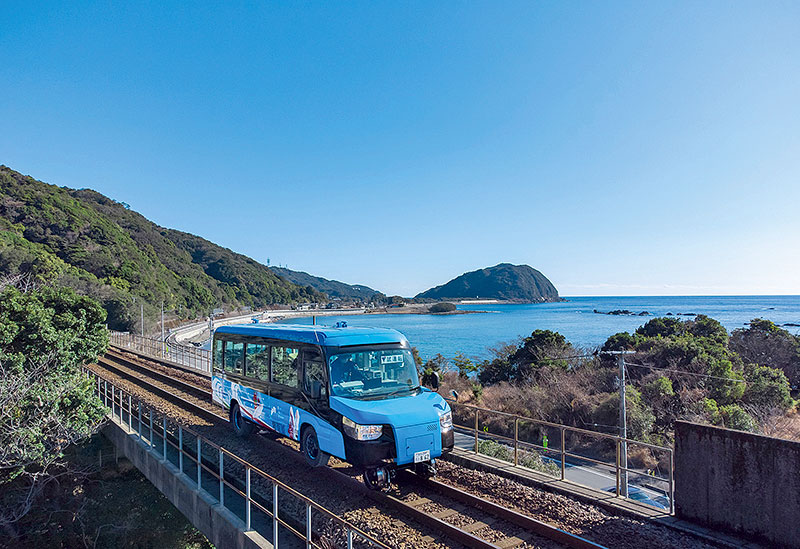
[
  {"x": 434, "y": 380},
  {"x": 316, "y": 389}
]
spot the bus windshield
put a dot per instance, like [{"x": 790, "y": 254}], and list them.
[{"x": 378, "y": 374}]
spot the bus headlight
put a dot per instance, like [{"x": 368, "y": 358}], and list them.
[
  {"x": 446, "y": 421},
  {"x": 361, "y": 432}
]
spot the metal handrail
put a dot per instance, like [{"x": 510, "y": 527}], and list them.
[
  {"x": 620, "y": 470},
  {"x": 185, "y": 355},
  {"x": 117, "y": 402}
]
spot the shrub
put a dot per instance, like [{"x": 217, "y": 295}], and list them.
[
  {"x": 639, "y": 415},
  {"x": 733, "y": 416},
  {"x": 767, "y": 388},
  {"x": 48, "y": 404},
  {"x": 662, "y": 327},
  {"x": 526, "y": 458},
  {"x": 464, "y": 365}
]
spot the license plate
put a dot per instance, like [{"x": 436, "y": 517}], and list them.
[{"x": 419, "y": 457}]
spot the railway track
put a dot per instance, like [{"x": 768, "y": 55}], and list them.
[{"x": 460, "y": 516}]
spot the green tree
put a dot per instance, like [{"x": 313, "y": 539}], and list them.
[
  {"x": 766, "y": 388},
  {"x": 464, "y": 365},
  {"x": 662, "y": 327},
  {"x": 733, "y": 416},
  {"x": 622, "y": 341},
  {"x": 769, "y": 345},
  {"x": 707, "y": 327},
  {"x": 46, "y": 403},
  {"x": 727, "y": 386}
]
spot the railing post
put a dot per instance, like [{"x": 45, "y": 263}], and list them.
[
  {"x": 308, "y": 526},
  {"x": 152, "y": 443},
  {"x": 671, "y": 484},
  {"x": 349, "y": 539},
  {"x": 563, "y": 453},
  {"x": 113, "y": 401},
  {"x": 221, "y": 478},
  {"x": 275, "y": 515},
  {"x": 247, "y": 491},
  {"x": 199, "y": 462},
  {"x": 164, "y": 424},
  {"x": 617, "y": 467},
  {"x": 516, "y": 440},
  {"x": 476, "y": 430},
  {"x": 139, "y": 412},
  {"x": 130, "y": 412},
  {"x": 180, "y": 448}
]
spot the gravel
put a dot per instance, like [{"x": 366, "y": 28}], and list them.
[{"x": 569, "y": 514}]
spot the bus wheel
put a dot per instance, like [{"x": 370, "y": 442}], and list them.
[
  {"x": 241, "y": 426},
  {"x": 309, "y": 446}
]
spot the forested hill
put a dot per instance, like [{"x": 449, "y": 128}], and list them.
[
  {"x": 101, "y": 248},
  {"x": 504, "y": 281},
  {"x": 331, "y": 288}
]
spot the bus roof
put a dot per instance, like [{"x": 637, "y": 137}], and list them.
[{"x": 317, "y": 334}]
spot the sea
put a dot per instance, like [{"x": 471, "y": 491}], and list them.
[{"x": 475, "y": 334}]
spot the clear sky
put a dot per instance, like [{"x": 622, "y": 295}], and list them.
[{"x": 635, "y": 148}]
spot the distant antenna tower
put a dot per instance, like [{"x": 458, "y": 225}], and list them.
[{"x": 267, "y": 262}]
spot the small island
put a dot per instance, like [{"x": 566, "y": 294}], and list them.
[{"x": 503, "y": 282}]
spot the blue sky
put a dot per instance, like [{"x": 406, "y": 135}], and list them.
[{"x": 621, "y": 148}]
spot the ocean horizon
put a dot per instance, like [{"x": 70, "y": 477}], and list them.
[{"x": 474, "y": 334}]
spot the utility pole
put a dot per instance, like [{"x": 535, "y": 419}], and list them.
[
  {"x": 623, "y": 423},
  {"x": 623, "y": 428}
]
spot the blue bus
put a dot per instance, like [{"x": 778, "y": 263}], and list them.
[{"x": 353, "y": 393}]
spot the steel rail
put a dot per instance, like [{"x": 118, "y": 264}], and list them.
[
  {"x": 205, "y": 413},
  {"x": 451, "y": 531},
  {"x": 196, "y": 389},
  {"x": 528, "y": 523}
]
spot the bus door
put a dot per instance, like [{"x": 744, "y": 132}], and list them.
[
  {"x": 257, "y": 374},
  {"x": 285, "y": 388},
  {"x": 314, "y": 384},
  {"x": 234, "y": 370}
]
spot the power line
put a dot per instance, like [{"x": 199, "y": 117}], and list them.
[
  {"x": 569, "y": 357},
  {"x": 686, "y": 373}
]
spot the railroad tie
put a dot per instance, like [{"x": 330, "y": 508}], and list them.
[
  {"x": 477, "y": 525},
  {"x": 419, "y": 502},
  {"x": 508, "y": 543},
  {"x": 441, "y": 515}
]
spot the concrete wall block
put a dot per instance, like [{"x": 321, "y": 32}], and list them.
[
  {"x": 222, "y": 527},
  {"x": 741, "y": 482}
]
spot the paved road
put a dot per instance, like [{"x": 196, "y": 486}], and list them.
[{"x": 594, "y": 476}]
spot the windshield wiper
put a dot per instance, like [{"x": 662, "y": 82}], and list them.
[{"x": 401, "y": 389}]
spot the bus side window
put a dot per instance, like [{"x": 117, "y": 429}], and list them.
[
  {"x": 257, "y": 364},
  {"x": 234, "y": 357},
  {"x": 218, "y": 343},
  {"x": 313, "y": 370},
  {"x": 284, "y": 365}
]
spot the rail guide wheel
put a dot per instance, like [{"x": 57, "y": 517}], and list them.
[{"x": 378, "y": 478}]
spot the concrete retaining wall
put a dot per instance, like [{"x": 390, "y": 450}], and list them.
[
  {"x": 740, "y": 482},
  {"x": 220, "y": 526}
]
